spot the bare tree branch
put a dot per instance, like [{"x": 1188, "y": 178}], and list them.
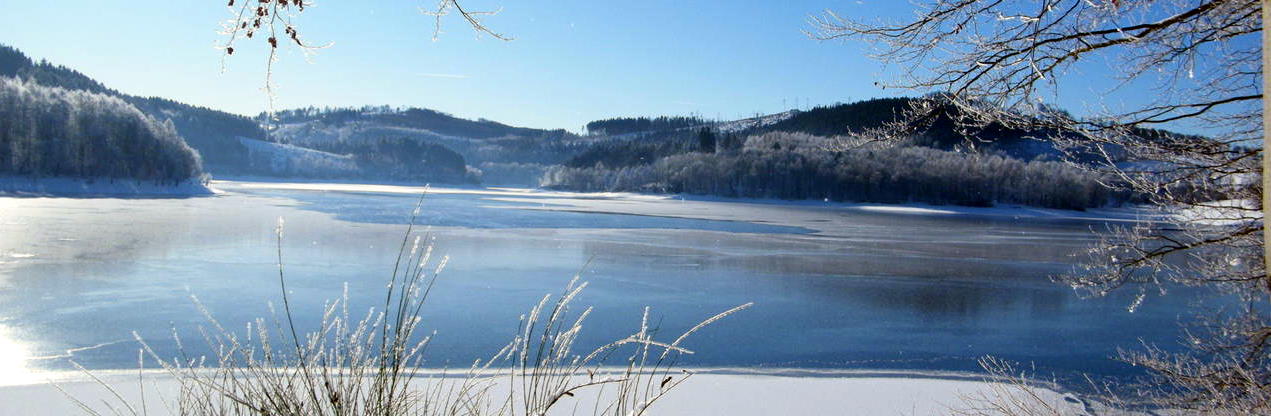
[
  {"x": 250, "y": 18},
  {"x": 994, "y": 62}
]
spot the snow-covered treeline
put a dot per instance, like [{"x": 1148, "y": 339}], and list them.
[
  {"x": 213, "y": 134},
  {"x": 897, "y": 174},
  {"x": 50, "y": 131}
]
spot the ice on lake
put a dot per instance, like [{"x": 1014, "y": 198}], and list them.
[{"x": 834, "y": 285}]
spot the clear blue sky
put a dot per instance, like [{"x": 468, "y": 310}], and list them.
[{"x": 572, "y": 60}]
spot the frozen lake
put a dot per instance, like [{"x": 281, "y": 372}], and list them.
[{"x": 834, "y": 285}]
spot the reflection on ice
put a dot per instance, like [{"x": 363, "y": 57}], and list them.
[{"x": 13, "y": 360}]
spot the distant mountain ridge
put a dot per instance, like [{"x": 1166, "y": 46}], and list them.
[
  {"x": 840, "y": 120},
  {"x": 790, "y": 154},
  {"x": 940, "y": 132},
  {"x": 825, "y": 153},
  {"x": 416, "y": 118},
  {"x": 333, "y": 143},
  {"x": 511, "y": 155}
]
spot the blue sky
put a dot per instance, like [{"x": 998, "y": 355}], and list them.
[{"x": 572, "y": 61}]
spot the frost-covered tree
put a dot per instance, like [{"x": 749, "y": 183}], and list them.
[
  {"x": 50, "y": 131},
  {"x": 999, "y": 61},
  {"x": 797, "y": 166}
]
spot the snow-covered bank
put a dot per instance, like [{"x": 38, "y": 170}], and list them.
[
  {"x": 1133, "y": 214},
  {"x": 1016, "y": 211},
  {"x": 706, "y": 393},
  {"x": 77, "y": 187},
  {"x": 368, "y": 185},
  {"x": 822, "y": 217}
]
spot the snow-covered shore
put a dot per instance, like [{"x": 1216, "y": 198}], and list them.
[
  {"x": 817, "y": 217},
  {"x": 709, "y": 392},
  {"x": 549, "y": 196},
  {"x": 78, "y": 187}
]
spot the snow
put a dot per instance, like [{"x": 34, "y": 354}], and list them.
[
  {"x": 1220, "y": 213},
  {"x": 1130, "y": 214},
  {"x": 292, "y": 184},
  {"x": 722, "y": 392},
  {"x": 295, "y": 160},
  {"x": 316, "y": 132},
  {"x": 902, "y": 209},
  {"x": 61, "y": 186},
  {"x": 822, "y": 216},
  {"x": 749, "y": 123}
]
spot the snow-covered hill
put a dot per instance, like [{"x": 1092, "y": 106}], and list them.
[
  {"x": 288, "y": 160},
  {"x": 754, "y": 122},
  {"x": 313, "y": 133}
]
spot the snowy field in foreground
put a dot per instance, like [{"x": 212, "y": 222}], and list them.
[
  {"x": 29, "y": 186},
  {"x": 703, "y": 394}
]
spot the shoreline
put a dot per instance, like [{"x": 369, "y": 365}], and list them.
[
  {"x": 67, "y": 187},
  {"x": 514, "y": 194},
  {"x": 77, "y": 376},
  {"x": 809, "y": 217}
]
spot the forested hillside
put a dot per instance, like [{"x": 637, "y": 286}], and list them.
[
  {"x": 512, "y": 155},
  {"x": 403, "y": 158},
  {"x": 50, "y": 131},
  {"x": 941, "y": 131},
  {"x": 233, "y": 144},
  {"x": 415, "y": 118},
  {"x": 213, "y": 133},
  {"x": 627, "y": 125},
  {"x": 646, "y": 149},
  {"x": 841, "y": 119},
  {"x": 793, "y": 154},
  {"x": 794, "y": 166},
  {"x": 815, "y": 154}
]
